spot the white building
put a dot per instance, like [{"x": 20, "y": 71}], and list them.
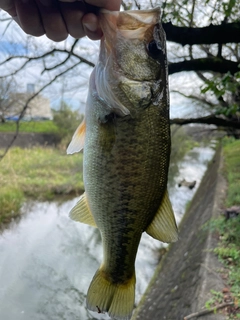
[{"x": 37, "y": 108}]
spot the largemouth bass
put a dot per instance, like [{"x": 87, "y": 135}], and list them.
[{"x": 126, "y": 139}]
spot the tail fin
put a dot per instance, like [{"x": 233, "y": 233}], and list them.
[{"x": 116, "y": 299}]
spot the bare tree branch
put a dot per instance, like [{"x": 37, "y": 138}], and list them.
[
  {"x": 137, "y": 5},
  {"x": 211, "y": 119},
  {"x": 201, "y": 76},
  {"x": 8, "y": 25},
  {"x": 27, "y": 104},
  {"x": 206, "y": 311},
  {"x": 70, "y": 53},
  {"x": 125, "y": 6},
  {"x": 200, "y": 99},
  {"x": 224, "y": 33},
  {"x": 215, "y": 64},
  {"x": 29, "y": 59}
]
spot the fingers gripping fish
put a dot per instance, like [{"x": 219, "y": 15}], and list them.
[{"x": 126, "y": 140}]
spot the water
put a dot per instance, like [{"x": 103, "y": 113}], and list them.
[
  {"x": 47, "y": 261},
  {"x": 192, "y": 168}
]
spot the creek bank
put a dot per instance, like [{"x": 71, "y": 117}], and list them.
[
  {"x": 28, "y": 140},
  {"x": 182, "y": 282},
  {"x": 37, "y": 173}
]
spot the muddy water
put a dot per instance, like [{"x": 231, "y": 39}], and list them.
[{"x": 47, "y": 261}]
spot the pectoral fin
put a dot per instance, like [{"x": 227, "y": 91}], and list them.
[
  {"x": 163, "y": 226},
  {"x": 80, "y": 212},
  {"x": 78, "y": 138}
]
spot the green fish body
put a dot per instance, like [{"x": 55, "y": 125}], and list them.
[{"x": 126, "y": 137}]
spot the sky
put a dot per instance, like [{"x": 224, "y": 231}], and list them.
[
  {"x": 13, "y": 48},
  {"x": 14, "y": 42}
]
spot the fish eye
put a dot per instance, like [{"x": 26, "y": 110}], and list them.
[{"x": 153, "y": 50}]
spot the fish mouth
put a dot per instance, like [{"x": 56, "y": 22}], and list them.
[
  {"x": 125, "y": 40},
  {"x": 129, "y": 24},
  {"x": 127, "y": 30}
]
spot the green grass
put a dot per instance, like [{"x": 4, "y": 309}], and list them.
[
  {"x": 40, "y": 173},
  {"x": 228, "y": 249},
  {"x": 11, "y": 200},
  {"x": 30, "y": 126},
  {"x": 217, "y": 298},
  {"x": 232, "y": 170}
]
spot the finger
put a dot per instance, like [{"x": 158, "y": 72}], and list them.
[
  {"x": 91, "y": 26},
  {"x": 52, "y": 19},
  {"x": 28, "y": 18},
  {"x": 106, "y": 4},
  {"x": 72, "y": 14},
  {"x": 9, "y": 7}
]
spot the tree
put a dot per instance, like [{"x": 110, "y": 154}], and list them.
[
  {"x": 42, "y": 62},
  {"x": 67, "y": 121},
  {"x": 6, "y": 89},
  {"x": 209, "y": 32},
  {"x": 203, "y": 37}
]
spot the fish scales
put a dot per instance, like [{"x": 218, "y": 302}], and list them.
[
  {"x": 126, "y": 184},
  {"x": 126, "y": 153}
]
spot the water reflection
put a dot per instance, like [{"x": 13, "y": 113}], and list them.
[
  {"x": 44, "y": 263},
  {"x": 47, "y": 261}
]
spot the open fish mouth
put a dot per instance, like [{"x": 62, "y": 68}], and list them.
[
  {"x": 131, "y": 24},
  {"x": 133, "y": 43}
]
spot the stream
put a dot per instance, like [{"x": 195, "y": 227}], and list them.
[{"x": 47, "y": 260}]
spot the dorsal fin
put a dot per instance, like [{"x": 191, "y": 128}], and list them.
[
  {"x": 163, "y": 226},
  {"x": 78, "y": 138}
]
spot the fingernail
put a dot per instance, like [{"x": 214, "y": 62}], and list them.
[{"x": 91, "y": 26}]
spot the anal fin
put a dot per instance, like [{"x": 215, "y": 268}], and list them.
[
  {"x": 81, "y": 212},
  {"x": 163, "y": 226}
]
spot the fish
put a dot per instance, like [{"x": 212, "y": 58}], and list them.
[{"x": 125, "y": 137}]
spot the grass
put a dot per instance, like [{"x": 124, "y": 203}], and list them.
[
  {"x": 228, "y": 231},
  {"x": 39, "y": 173},
  {"x": 232, "y": 170},
  {"x": 47, "y": 126},
  {"x": 11, "y": 200},
  {"x": 217, "y": 298}
]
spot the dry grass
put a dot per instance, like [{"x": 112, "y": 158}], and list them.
[{"x": 40, "y": 173}]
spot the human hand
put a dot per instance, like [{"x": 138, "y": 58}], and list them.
[{"x": 57, "y": 19}]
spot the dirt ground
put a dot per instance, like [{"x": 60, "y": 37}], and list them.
[{"x": 183, "y": 280}]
